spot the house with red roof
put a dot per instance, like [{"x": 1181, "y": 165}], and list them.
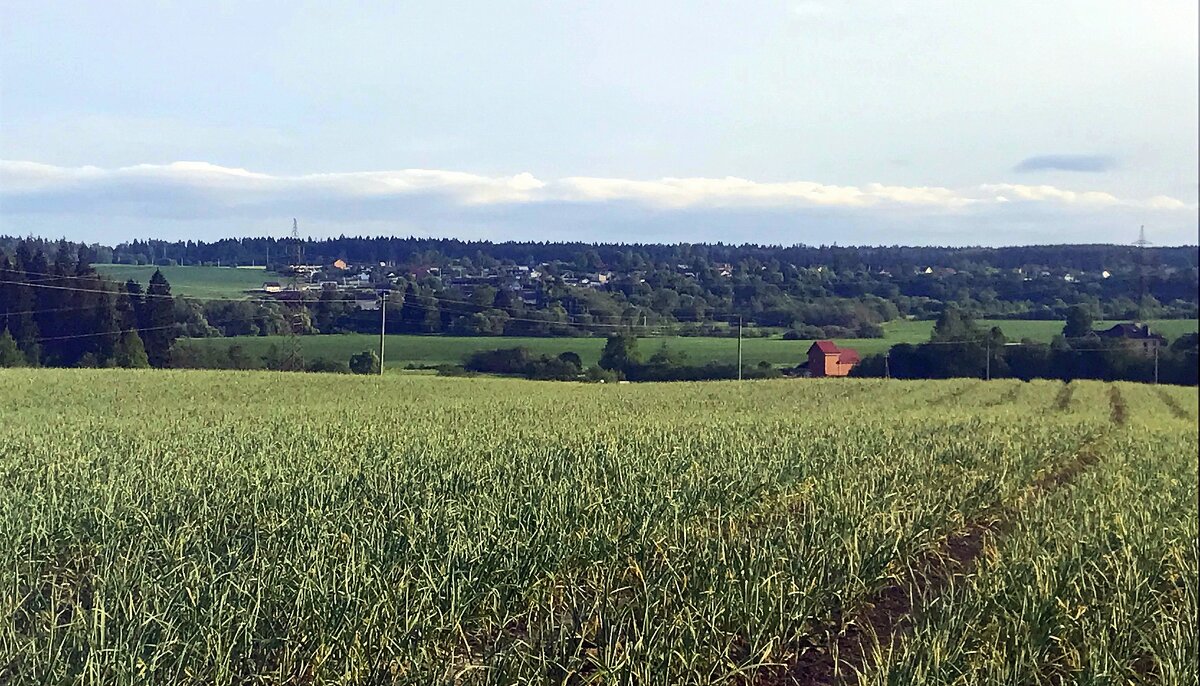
[{"x": 826, "y": 359}]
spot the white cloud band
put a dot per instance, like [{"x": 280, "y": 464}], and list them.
[
  {"x": 203, "y": 201},
  {"x": 240, "y": 186}
]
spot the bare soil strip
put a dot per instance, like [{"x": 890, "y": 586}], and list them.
[
  {"x": 1173, "y": 405},
  {"x": 1008, "y": 397},
  {"x": 1062, "y": 401},
  {"x": 1118, "y": 410},
  {"x": 839, "y": 651},
  {"x": 953, "y": 396}
]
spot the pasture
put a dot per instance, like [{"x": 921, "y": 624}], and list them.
[
  {"x": 401, "y": 350},
  {"x": 198, "y": 527},
  {"x": 198, "y": 282}
]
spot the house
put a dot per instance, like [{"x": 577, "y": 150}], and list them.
[
  {"x": 1137, "y": 337},
  {"x": 340, "y": 264},
  {"x": 272, "y": 287},
  {"x": 826, "y": 359}
]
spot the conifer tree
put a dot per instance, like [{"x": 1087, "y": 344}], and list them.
[
  {"x": 158, "y": 333},
  {"x": 10, "y": 354},
  {"x": 19, "y": 302},
  {"x": 130, "y": 352}
]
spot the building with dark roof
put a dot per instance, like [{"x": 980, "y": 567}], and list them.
[{"x": 1137, "y": 337}]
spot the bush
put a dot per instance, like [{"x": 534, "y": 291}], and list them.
[
  {"x": 453, "y": 370},
  {"x": 520, "y": 361},
  {"x": 322, "y": 364},
  {"x": 869, "y": 330},
  {"x": 601, "y": 375},
  {"x": 366, "y": 362},
  {"x": 500, "y": 361},
  {"x": 552, "y": 369},
  {"x": 804, "y": 332}
]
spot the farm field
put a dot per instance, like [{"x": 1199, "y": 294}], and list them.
[
  {"x": 199, "y": 282},
  {"x": 434, "y": 350},
  {"x": 190, "y": 527}
]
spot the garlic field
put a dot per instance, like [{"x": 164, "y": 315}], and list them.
[{"x": 191, "y": 527}]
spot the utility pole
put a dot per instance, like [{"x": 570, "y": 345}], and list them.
[
  {"x": 739, "y": 347},
  {"x": 382, "y": 327},
  {"x": 987, "y": 364},
  {"x": 1156, "y": 364}
]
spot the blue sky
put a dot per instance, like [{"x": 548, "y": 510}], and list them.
[{"x": 782, "y": 122}]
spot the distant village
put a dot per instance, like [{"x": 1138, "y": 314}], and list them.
[{"x": 368, "y": 281}]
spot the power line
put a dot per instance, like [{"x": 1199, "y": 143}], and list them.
[{"x": 723, "y": 318}]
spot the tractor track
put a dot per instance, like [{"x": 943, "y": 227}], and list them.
[
  {"x": 1007, "y": 398},
  {"x": 1173, "y": 405},
  {"x": 837, "y": 651},
  {"x": 1062, "y": 401}
]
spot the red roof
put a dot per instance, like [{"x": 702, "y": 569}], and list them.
[
  {"x": 826, "y": 347},
  {"x": 845, "y": 355}
]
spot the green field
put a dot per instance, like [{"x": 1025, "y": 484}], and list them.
[
  {"x": 199, "y": 527},
  {"x": 435, "y": 350},
  {"x": 200, "y": 282}
]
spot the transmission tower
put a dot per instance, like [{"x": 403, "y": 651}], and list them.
[
  {"x": 294, "y": 359},
  {"x": 297, "y": 256},
  {"x": 1143, "y": 267}
]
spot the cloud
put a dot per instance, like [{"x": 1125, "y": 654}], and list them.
[
  {"x": 521, "y": 205},
  {"x": 235, "y": 186},
  {"x": 1074, "y": 163}
]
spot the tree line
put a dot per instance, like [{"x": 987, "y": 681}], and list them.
[
  {"x": 815, "y": 291},
  {"x": 57, "y": 311},
  {"x": 958, "y": 347}
]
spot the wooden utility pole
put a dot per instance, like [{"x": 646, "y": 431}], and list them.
[
  {"x": 987, "y": 364},
  {"x": 1155, "y": 364},
  {"x": 382, "y": 327},
  {"x": 739, "y": 347}
]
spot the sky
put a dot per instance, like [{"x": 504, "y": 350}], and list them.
[{"x": 809, "y": 121}]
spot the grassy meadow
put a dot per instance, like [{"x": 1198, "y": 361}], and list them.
[
  {"x": 199, "y": 527},
  {"x": 199, "y": 282},
  {"x": 403, "y": 350}
]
